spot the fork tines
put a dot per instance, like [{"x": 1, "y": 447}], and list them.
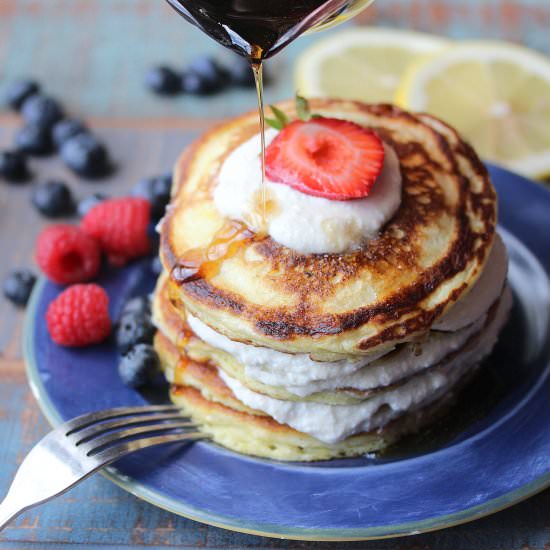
[{"x": 95, "y": 433}]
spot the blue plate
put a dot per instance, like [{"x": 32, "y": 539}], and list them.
[{"x": 494, "y": 451}]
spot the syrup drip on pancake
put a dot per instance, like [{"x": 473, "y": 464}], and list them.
[
  {"x": 179, "y": 371},
  {"x": 205, "y": 263},
  {"x": 264, "y": 205},
  {"x": 184, "y": 336}
]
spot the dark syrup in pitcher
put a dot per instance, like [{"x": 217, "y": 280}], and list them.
[{"x": 257, "y": 29}]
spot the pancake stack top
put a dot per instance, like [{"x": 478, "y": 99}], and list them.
[{"x": 350, "y": 323}]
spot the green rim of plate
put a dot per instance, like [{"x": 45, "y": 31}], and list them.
[{"x": 267, "y": 530}]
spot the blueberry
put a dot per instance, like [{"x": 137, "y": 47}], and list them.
[
  {"x": 86, "y": 156},
  {"x": 34, "y": 139},
  {"x": 241, "y": 73},
  {"x": 13, "y": 166},
  {"x": 209, "y": 69},
  {"x": 85, "y": 205},
  {"x": 139, "y": 365},
  {"x": 20, "y": 90},
  {"x": 144, "y": 188},
  {"x": 42, "y": 110},
  {"x": 65, "y": 129},
  {"x": 192, "y": 83},
  {"x": 140, "y": 305},
  {"x": 163, "y": 80},
  {"x": 204, "y": 76},
  {"x": 134, "y": 328},
  {"x": 18, "y": 286},
  {"x": 154, "y": 237},
  {"x": 157, "y": 191},
  {"x": 53, "y": 199},
  {"x": 162, "y": 186},
  {"x": 156, "y": 266}
]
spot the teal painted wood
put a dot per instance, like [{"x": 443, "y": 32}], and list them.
[{"x": 94, "y": 54}]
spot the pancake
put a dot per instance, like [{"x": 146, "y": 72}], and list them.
[
  {"x": 203, "y": 396},
  {"x": 200, "y": 388},
  {"x": 182, "y": 371},
  {"x": 172, "y": 324},
  {"x": 363, "y": 302}
]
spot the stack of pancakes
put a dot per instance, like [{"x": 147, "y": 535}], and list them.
[{"x": 314, "y": 356}]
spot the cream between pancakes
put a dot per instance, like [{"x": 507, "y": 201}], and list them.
[
  {"x": 484, "y": 293},
  {"x": 333, "y": 423},
  {"x": 307, "y": 224},
  {"x": 302, "y": 376},
  {"x": 464, "y": 329}
]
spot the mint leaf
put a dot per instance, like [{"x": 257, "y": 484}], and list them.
[
  {"x": 302, "y": 108},
  {"x": 279, "y": 115},
  {"x": 280, "y": 120},
  {"x": 274, "y": 123}
]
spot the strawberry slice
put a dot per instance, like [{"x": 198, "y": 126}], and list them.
[{"x": 326, "y": 157}]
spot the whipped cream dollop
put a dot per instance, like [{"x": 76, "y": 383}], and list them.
[
  {"x": 333, "y": 423},
  {"x": 307, "y": 224}
]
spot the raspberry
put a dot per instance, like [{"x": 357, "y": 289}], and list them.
[
  {"x": 79, "y": 316},
  {"x": 67, "y": 255},
  {"x": 120, "y": 226}
]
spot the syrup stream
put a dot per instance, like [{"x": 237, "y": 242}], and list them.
[
  {"x": 256, "y": 30},
  {"x": 257, "y": 69},
  {"x": 205, "y": 263}
]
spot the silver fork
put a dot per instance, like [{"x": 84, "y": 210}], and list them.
[{"x": 81, "y": 446}]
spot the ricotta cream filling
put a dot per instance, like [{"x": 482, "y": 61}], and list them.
[
  {"x": 275, "y": 367},
  {"x": 302, "y": 376},
  {"x": 333, "y": 423},
  {"x": 307, "y": 224},
  {"x": 484, "y": 293}
]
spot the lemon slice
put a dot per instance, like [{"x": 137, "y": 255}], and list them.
[
  {"x": 361, "y": 63},
  {"x": 496, "y": 94}
]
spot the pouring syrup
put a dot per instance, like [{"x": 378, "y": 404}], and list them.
[{"x": 257, "y": 30}]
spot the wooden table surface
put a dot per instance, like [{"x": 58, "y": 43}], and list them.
[{"x": 92, "y": 55}]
